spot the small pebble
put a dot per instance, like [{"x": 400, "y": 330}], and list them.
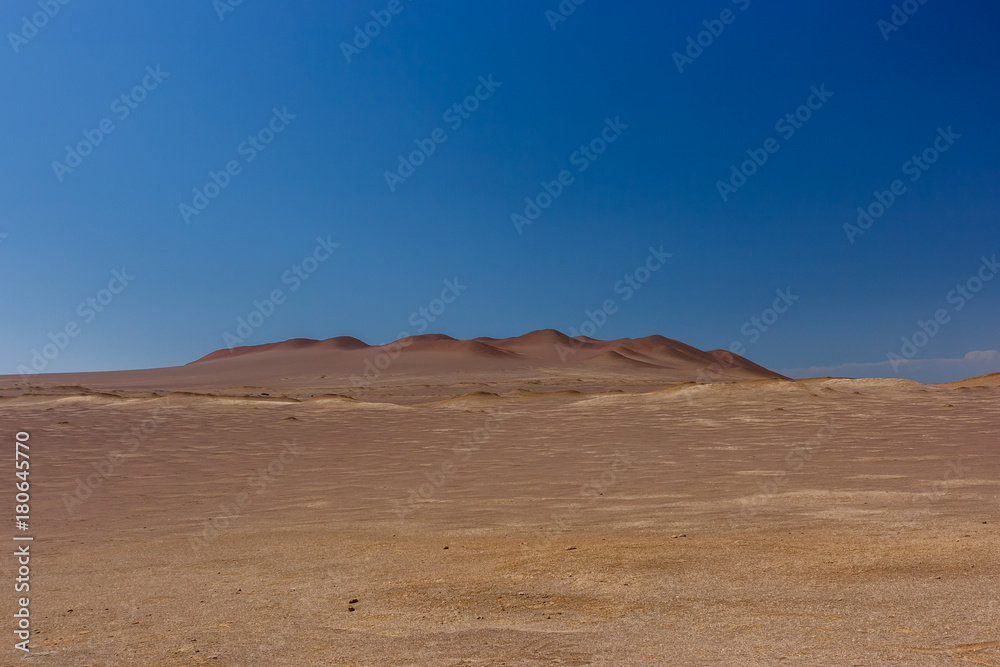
[{"x": 353, "y": 600}]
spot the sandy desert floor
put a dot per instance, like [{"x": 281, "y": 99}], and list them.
[{"x": 848, "y": 522}]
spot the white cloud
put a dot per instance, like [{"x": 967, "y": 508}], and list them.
[{"x": 976, "y": 362}]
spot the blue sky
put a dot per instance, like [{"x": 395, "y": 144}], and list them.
[{"x": 208, "y": 86}]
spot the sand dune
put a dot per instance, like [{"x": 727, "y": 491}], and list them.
[
  {"x": 347, "y": 365},
  {"x": 488, "y": 502},
  {"x": 989, "y": 380}
]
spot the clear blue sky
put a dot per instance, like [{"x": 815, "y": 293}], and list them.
[{"x": 220, "y": 81}]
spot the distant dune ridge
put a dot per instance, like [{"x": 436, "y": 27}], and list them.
[
  {"x": 536, "y": 348},
  {"x": 545, "y": 350},
  {"x": 345, "y": 363},
  {"x": 425, "y": 367}
]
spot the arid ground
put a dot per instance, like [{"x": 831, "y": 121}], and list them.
[{"x": 488, "y": 503}]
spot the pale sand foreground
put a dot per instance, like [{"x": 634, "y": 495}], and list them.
[{"x": 816, "y": 522}]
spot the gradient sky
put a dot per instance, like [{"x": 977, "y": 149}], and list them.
[{"x": 655, "y": 185}]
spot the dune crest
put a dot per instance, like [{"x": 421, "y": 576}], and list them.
[{"x": 301, "y": 368}]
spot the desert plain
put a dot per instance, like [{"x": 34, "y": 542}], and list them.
[{"x": 538, "y": 500}]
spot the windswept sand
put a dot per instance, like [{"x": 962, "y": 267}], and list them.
[{"x": 520, "y": 516}]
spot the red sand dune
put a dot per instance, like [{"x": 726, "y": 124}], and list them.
[
  {"x": 345, "y": 362},
  {"x": 544, "y": 350}
]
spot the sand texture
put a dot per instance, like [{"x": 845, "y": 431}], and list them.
[{"x": 485, "y": 503}]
